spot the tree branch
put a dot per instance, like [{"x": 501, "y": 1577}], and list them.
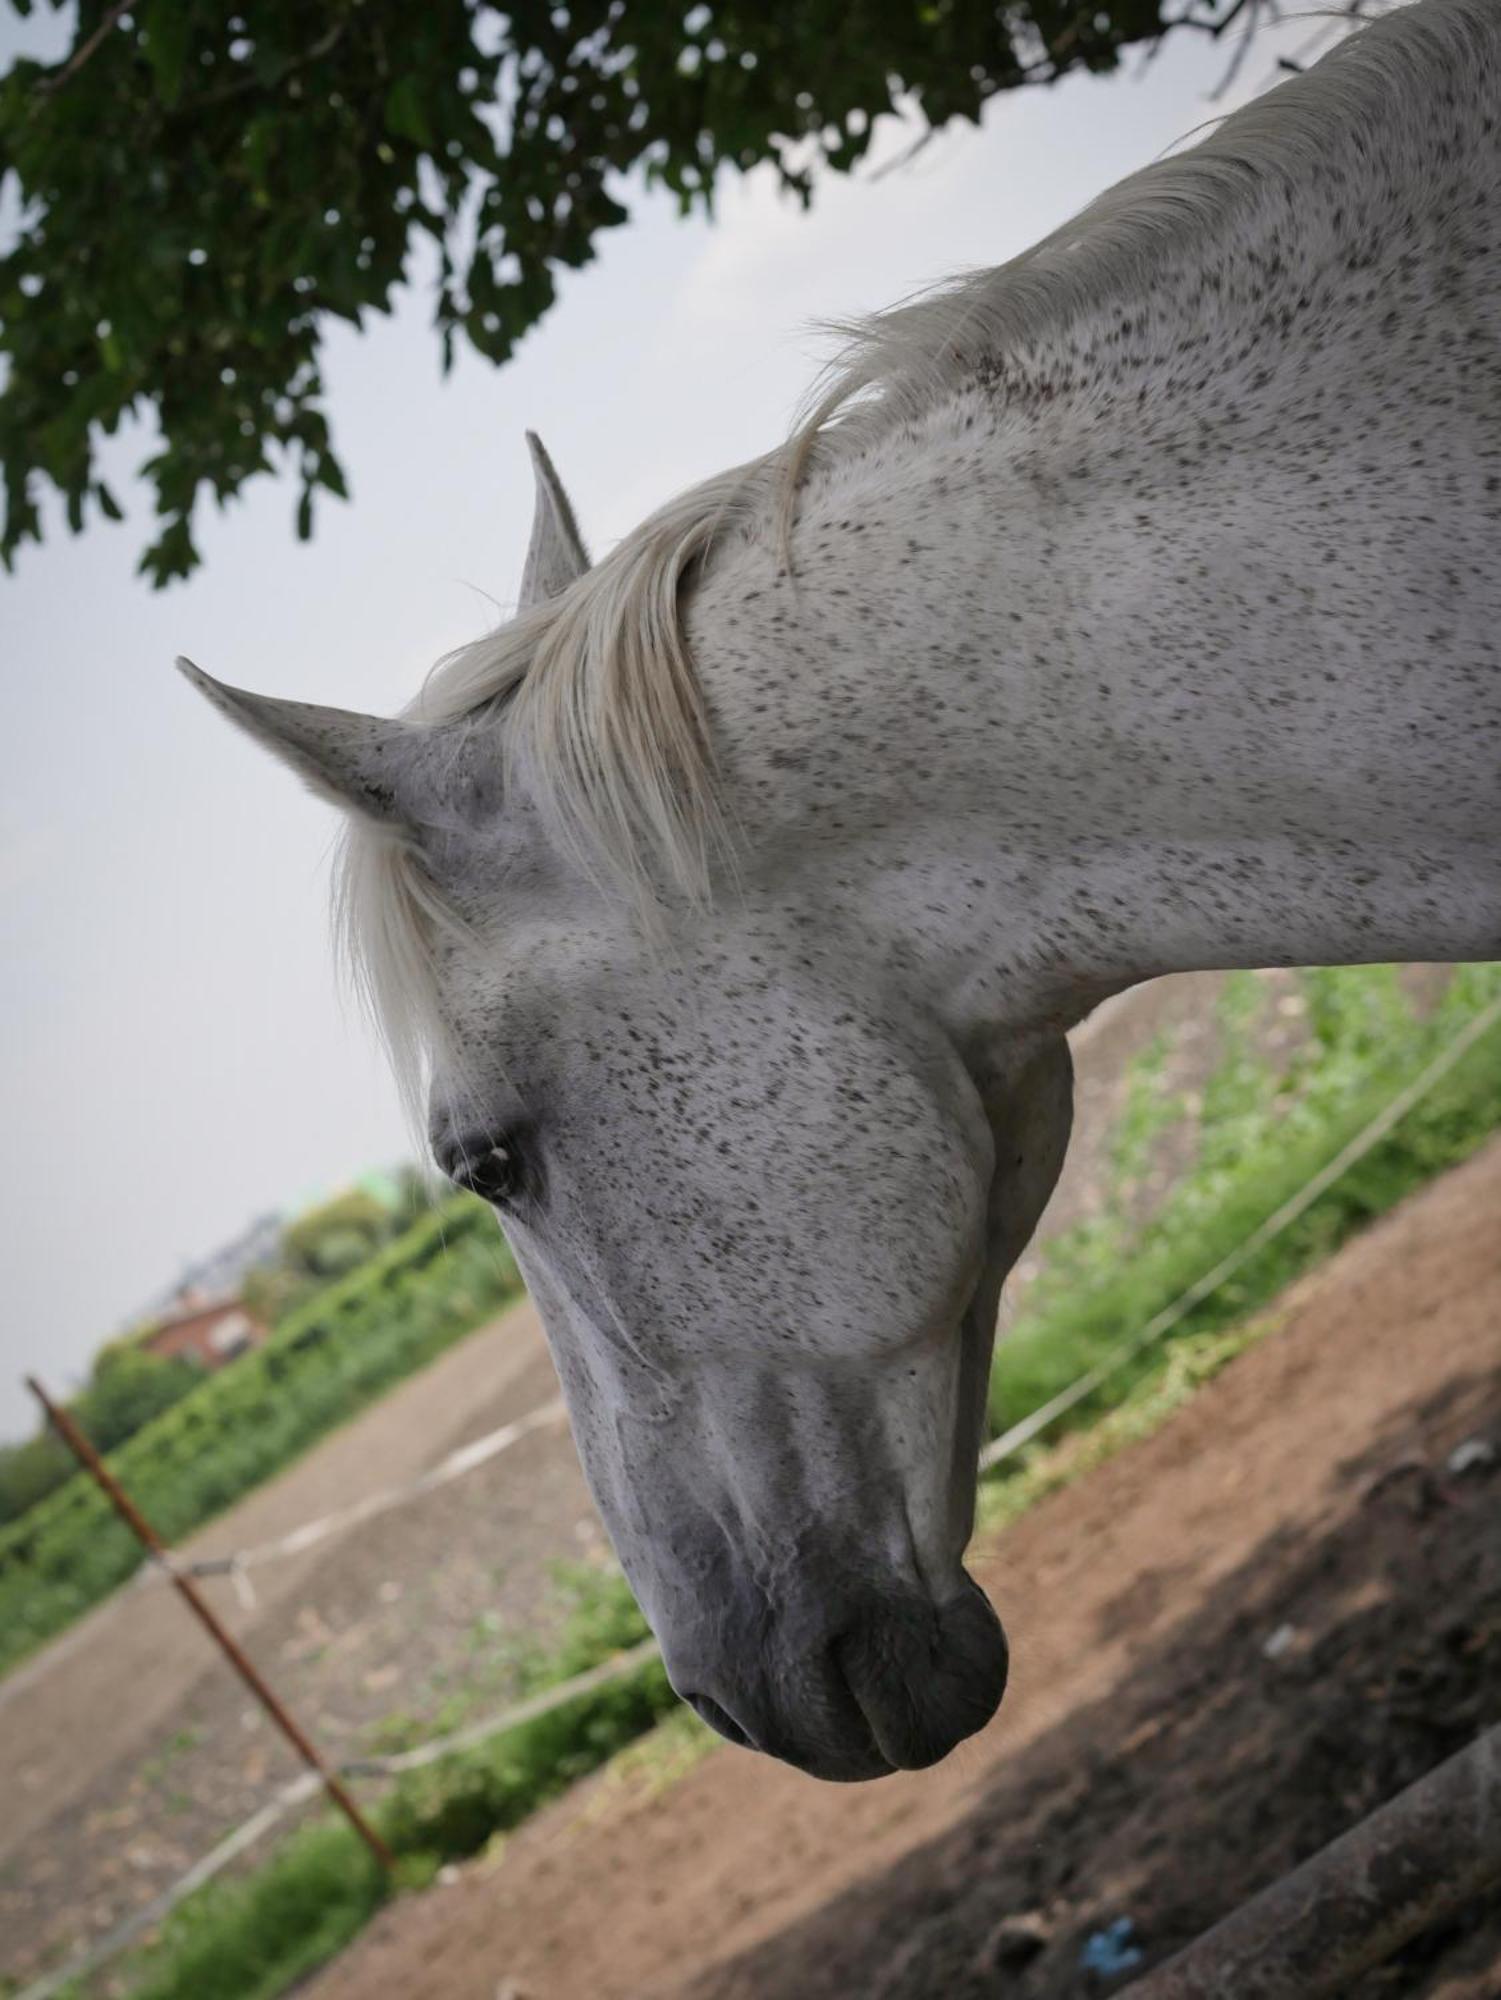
[{"x": 80, "y": 55}]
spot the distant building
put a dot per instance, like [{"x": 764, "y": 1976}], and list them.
[
  {"x": 223, "y": 1272},
  {"x": 208, "y": 1331}
]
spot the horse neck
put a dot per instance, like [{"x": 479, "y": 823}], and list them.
[{"x": 1177, "y": 628}]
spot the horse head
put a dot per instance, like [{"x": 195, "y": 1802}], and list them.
[{"x": 761, "y": 1195}]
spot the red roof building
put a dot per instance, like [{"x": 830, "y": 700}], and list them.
[{"x": 208, "y": 1331}]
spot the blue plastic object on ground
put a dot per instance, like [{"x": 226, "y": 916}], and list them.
[{"x": 1113, "y": 1950}]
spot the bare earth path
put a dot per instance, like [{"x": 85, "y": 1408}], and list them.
[
  {"x": 143, "y": 1630},
  {"x": 1153, "y": 1759},
  {"x": 131, "y": 1749}
]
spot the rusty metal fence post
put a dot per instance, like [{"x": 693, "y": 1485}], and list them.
[{"x": 83, "y": 1450}]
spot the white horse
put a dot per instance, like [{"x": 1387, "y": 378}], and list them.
[{"x": 1131, "y": 608}]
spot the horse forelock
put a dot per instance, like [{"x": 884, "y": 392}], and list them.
[{"x": 596, "y": 711}]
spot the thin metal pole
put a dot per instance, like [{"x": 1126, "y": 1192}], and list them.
[
  {"x": 83, "y": 1450},
  {"x": 1414, "y": 1861}
]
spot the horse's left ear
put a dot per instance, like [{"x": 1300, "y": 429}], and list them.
[
  {"x": 362, "y": 762},
  {"x": 556, "y": 555}
]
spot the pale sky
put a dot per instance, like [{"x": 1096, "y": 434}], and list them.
[{"x": 177, "y": 1055}]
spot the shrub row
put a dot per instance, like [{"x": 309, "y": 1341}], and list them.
[{"x": 436, "y": 1282}]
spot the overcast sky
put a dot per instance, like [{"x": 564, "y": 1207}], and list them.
[{"x": 177, "y": 1058}]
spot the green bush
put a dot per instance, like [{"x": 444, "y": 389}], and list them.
[
  {"x": 127, "y": 1389},
  {"x": 30, "y": 1471},
  {"x": 1262, "y": 1135},
  {"x": 436, "y": 1282},
  {"x": 251, "y": 1940}
]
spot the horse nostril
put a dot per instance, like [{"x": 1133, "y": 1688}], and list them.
[{"x": 719, "y": 1719}]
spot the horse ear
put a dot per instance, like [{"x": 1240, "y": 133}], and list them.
[
  {"x": 556, "y": 556},
  {"x": 360, "y": 762}
]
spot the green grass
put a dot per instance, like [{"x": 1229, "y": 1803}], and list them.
[
  {"x": 1262, "y": 1134},
  {"x": 1186, "y": 1366},
  {"x": 325, "y": 1362},
  {"x": 252, "y": 1938}
]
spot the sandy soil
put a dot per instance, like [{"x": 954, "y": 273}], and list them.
[{"x": 1155, "y": 1759}]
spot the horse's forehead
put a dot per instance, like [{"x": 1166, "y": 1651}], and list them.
[
  {"x": 531, "y": 985},
  {"x": 555, "y": 999},
  {"x": 511, "y": 965}
]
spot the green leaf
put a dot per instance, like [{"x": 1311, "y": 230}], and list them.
[
  {"x": 218, "y": 185},
  {"x": 405, "y": 117},
  {"x": 168, "y": 32}
]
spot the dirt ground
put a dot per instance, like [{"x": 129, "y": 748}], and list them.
[
  {"x": 1229, "y": 1642},
  {"x": 129, "y": 1749}
]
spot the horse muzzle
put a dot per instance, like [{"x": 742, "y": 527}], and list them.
[{"x": 891, "y": 1685}]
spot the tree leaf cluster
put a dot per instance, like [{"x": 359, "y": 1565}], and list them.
[
  {"x": 203, "y": 186},
  {"x": 127, "y": 1388}
]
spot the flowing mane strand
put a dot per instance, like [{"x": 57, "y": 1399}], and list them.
[
  {"x": 603, "y": 709},
  {"x": 896, "y": 363},
  {"x": 593, "y": 698}
]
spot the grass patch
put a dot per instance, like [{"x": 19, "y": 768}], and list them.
[
  {"x": 1184, "y": 1369},
  {"x": 1262, "y": 1135},
  {"x": 646, "y": 1769},
  {"x": 252, "y": 1938}
]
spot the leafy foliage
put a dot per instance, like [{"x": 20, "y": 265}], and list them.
[
  {"x": 1186, "y": 1365},
  {"x": 352, "y": 1223},
  {"x": 203, "y": 185},
  {"x": 252, "y": 1940},
  {"x": 30, "y": 1471},
  {"x": 127, "y": 1389},
  {"x": 327, "y": 1361}
]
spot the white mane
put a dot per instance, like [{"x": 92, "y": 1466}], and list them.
[
  {"x": 603, "y": 707},
  {"x": 603, "y": 711}
]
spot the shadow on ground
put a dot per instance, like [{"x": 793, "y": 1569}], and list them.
[{"x": 1218, "y": 1761}]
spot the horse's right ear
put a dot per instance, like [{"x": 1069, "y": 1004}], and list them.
[
  {"x": 363, "y": 763},
  {"x": 556, "y": 556}
]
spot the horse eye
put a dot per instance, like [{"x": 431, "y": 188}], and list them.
[{"x": 494, "y": 1174}]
